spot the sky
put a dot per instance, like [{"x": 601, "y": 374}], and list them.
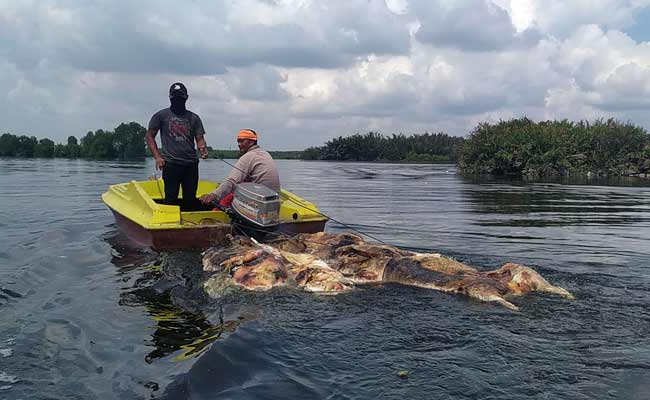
[{"x": 301, "y": 72}]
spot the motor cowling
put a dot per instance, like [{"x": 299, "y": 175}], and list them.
[{"x": 257, "y": 204}]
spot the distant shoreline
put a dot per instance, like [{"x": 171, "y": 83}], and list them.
[
  {"x": 516, "y": 147},
  {"x": 215, "y": 158}
]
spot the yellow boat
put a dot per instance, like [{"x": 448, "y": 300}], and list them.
[{"x": 139, "y": 213}]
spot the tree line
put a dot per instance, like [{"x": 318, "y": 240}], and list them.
[
  {"x": 234, "y": 154},
  {"x": 126, "y": 142},
  {"x": 373, "y": 146},
  {"x": 517, "y": 146}
]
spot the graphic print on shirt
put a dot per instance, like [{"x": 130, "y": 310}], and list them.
[{"x": 179, "y": 129}]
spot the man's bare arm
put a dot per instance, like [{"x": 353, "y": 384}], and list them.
[
  {"x": 202, "y": 146},
  {"x": 150, "y": 138}
]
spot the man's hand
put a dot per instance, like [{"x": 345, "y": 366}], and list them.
[
  {"x": 204, "y": 152},
  {"x": 208, "y": 198},
  {"x": 160, "y": 163}
]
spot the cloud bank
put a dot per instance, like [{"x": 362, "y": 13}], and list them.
[{"x": 303, "y": 71}]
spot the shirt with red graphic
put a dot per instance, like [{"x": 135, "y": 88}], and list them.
[{"x": 177, "y": 135}]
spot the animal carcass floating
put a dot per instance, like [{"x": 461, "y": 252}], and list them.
[{"x": 334, "y": 263}]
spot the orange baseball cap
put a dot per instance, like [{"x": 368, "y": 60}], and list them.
[{"x": 247, "y": 134}]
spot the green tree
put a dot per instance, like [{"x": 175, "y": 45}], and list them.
[
  {"x": 86, "y": 144},
  {"x": 102, "y": 146},
  {"x": 8, "y": 145},
  {"x": 44, "y": 148},
  {"x": 60, "y": 151},
  {"x": 128, "y": 141},
  {"x": 26, "y": 146},
  {"x": 72, "y": 149}
]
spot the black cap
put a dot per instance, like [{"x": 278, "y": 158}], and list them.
[{"x": 178, "y": 90}]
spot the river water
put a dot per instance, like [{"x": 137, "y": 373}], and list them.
[{"x": 79, "y": 320}]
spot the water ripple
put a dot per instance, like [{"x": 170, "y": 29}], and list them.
[{"x": 86, "y": 322}]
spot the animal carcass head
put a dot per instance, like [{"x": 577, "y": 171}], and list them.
[{"x": 522, "y": 279}]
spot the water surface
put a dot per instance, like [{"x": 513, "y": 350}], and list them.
[{"x": 80, "y": 318}]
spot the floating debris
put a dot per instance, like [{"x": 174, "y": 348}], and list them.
[{"x": 403, "y": 374}]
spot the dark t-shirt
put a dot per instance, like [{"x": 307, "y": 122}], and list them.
[{"x": 177, "y": 135}]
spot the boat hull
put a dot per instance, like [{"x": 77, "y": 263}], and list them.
[
  {"x": 200, "y": 237},
  {"x": 140, "y": 213},
  {"x": 173, "y": 239}
]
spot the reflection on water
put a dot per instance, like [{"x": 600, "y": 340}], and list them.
[
  {"x": 552, "y": 204},
  {"x": 176, "y": 330},
  {"x": 156, "y": 278}
]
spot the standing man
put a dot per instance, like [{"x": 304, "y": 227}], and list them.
[
  {"x": 178, "y": 160},
  {"x": 254, "y": 165}
]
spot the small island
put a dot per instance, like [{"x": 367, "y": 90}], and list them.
[{"x": 522, "y": 147}]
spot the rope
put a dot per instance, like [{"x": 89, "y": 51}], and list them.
[
  {"x": 155, "y": 178},
  {"x": 284, "y": 197},
  {"x": 315, "y": 211}
]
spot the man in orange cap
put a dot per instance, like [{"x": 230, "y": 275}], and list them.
[{"x": 254, "y": 165}]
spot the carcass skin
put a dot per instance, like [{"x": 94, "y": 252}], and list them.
[
  {"x": 334, "y": 263},
  {"x": 264, "y": 275}
]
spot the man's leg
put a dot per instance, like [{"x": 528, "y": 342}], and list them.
[
  {"x": 172, "y": 174},
  {"x": 190, "y": 183}
]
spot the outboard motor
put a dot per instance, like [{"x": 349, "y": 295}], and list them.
[{"x": 255, "y": 209}]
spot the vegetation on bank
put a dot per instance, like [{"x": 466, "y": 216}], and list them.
[
  {"x": 126, "y": 142},
  {"x": 556, "y": 148},
  {"x": 514, "y": 147},
  {"x": 234, "y": 154},
  {"x": 431, "y": 148}
]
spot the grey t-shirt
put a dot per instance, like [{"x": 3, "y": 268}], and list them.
[
  {"x": 177, "y": 135},
  {"x": 255, "y": 166}
]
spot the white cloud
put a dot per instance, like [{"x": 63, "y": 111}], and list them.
[
  {"x": 521, "y": 12},
  {"x": 465, "y": 24},
  {"x": 560, "y": 18}
]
